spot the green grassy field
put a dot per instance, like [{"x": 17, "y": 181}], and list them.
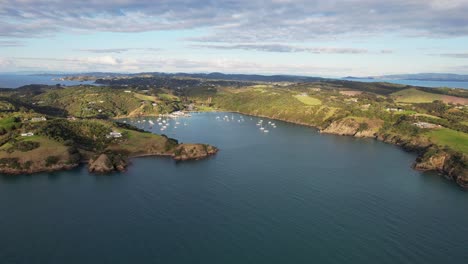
[
  {"x": 7, "y": 122},
  {"x": 453, "y": 139},
  {"x": 47, "y": 148},
  {"x": 145, "y": 97},
  {"x": 305, "y": 99},
  {"x": 415, "y": 96},
  {"x": 141, "y": 143}
]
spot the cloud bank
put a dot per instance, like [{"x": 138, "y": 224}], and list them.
[{"x": 238, "y": 21}]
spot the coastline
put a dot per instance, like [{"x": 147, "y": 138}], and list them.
[
  {"x": 429, "y": 156},
  {"x": 442, "y": 162}
]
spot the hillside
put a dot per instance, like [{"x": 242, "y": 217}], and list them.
[
  {"x": 433, "y": 122},
  {"x": 58, "y": 143}
]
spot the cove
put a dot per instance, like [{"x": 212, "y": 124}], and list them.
[{"x": 291, "y": 195}]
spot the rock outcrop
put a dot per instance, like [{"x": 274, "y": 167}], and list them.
[
  {"x": 452, "y": 166},
  {"x": 344, "y": 127},
  {"x": 431, "y": 158},
  {"x": 193, "y": 151},
  {"x": 105, "y": 163},
  {"x": 354, "y": 127}
]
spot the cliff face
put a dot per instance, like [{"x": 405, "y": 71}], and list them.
[
  {"x": 354, "y": 127},
  {"x": 105, "y": 163},
  {"x": 109, "y": 162},
  {"x": 346, "y": 127},
  {"x": 453, "y": 166},
  {"x": 193, "y": 151},
  {"x": 431, "y": 158}
]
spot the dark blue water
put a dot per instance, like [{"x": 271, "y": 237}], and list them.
[
  {"x": 18, "y": 80},
  {"x": 433, "y": 84},
  {"x": 287, "y": 196}
]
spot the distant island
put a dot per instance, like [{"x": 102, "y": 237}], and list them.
[
  {"x": 76, "y": 124},
  {"x": 419, "y": 77}
]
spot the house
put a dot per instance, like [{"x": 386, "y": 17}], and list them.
[
  {"x": 127, "y": 91},
  {"x": 38, "y": 119},
  {"x": 114, "y": 134},
  {"x": 28, "y": 134},
  {"x": 426, "y": 125},
  {"x": 71, "y": 118},
  {"x": 154, "y": 104},
  {"x": 394, "y": 109}
]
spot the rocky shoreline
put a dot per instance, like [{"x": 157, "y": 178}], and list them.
[
  {"x": 109, "y": 162},
  {"x": 450, "y": 165},
  {"x": 113, "y": 161}
]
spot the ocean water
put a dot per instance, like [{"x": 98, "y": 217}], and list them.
[
  {"x": 18, "y": 80},
  {"x": 291, "y": 195},
  {"x": 432, "y": 84}
]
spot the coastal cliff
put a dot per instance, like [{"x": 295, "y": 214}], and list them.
[
  {"x": 62, "y": 144},
  {"x": 357, "y": 127},
  {"x": 453, "y": 166},
  {"x": 109, "y": 162},
  {"x": 430, "y": 157}
]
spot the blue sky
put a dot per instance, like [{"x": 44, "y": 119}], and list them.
[{"x": 321, "y": 38}]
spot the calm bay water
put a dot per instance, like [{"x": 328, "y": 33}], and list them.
[{"x": 287, "y": 196}]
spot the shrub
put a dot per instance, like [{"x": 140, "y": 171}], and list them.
[
  {"x": 363, "y": 126},
  {"x": 51, "y": 160},
  {"x": 25, "y": 145}
]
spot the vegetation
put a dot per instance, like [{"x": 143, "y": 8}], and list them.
[
  {"x": 435, "y": 119},
  {"x": 307, "y": 99},
  {"x": 452, "y": 139},
  {"x": 413, "y": 95}
]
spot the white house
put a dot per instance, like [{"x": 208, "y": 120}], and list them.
[
  {"x": 38, "y": 119},
  {"x": 28, "y": 134},
  {"x": 114, "y": 134}
]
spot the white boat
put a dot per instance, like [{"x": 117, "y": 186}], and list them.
[
  {"x": 266, "y": 131},
  {"x": 151, "y": 122},
  {"x": 262, "y": 128}
]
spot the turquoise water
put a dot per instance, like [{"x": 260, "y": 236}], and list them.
[{"x": 288, "y": 196}]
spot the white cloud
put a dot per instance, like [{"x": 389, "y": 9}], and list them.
[
  {"x": 113, "y": 64},
  {"x": 238, "y": 21}
]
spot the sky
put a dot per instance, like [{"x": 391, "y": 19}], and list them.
[{"x": 316, "y": 38}]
